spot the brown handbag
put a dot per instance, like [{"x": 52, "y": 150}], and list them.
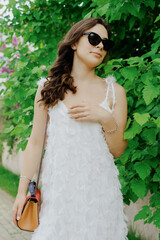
[{"x": 29, "y": 219}]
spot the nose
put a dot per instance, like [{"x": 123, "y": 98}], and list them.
[{"x": 100, "y": 45}]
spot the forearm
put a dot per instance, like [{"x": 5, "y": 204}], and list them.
[
  {"x": 115, "y": 140},
  {"x": 31, "y": 160}
]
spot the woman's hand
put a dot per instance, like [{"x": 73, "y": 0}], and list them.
[
  {"x": 18, "y": 206},
  {"x": 88, "y": 112}
]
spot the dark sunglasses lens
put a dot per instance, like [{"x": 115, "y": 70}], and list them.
[
  {"x": 108, "y": 44},
  {"x": 94, "y": 39}
]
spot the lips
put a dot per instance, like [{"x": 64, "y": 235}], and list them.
[{"x": 98, "y": 54}]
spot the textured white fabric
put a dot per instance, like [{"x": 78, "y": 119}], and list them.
[{"x": 81, "y": 192}]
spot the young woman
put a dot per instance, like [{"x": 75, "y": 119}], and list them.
[{"x": 81, "y": 192}]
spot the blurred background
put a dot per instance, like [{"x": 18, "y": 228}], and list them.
[{"x": 30, "y": 32}]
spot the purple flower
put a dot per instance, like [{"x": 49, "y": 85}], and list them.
[
  {"x": 17, "y": 105},
  {"x": 6, "y": 69},
  {"x": 17, "y": 54},
  {"x": 6, "y": 119},
  {"x": 4, "y": 45},
  {"x": 14, "y": 41}
]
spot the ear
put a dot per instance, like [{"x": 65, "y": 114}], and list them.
[{"x": 73, "y": 46}]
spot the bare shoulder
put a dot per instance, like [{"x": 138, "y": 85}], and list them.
[
  {"x": 118, "y": 87},
  {"x": 38, "y": 94},
  {"x": 119, "y": 90}
]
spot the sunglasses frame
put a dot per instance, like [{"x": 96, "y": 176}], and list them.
[{"x": 107, "y": 43}]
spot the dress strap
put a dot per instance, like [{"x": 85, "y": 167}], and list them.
[
  {"x": 41, "y": 82},
  {"x": 110, "y": 81}
]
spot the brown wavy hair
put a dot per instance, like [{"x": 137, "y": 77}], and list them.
[{"x": 59, "y": 79}]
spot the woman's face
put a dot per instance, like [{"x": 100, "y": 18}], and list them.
[{"x": 91, "y": 55}]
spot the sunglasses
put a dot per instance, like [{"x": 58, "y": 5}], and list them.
[{"x": 94, "y": 39}]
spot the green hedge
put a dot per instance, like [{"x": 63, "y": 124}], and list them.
[{"x": 134, "y": 62}]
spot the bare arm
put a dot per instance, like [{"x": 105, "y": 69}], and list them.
[
  {"x": 115, "y": 140},
  {"x": 33, "y": 150},
  {"x": 32, "y": 155}
]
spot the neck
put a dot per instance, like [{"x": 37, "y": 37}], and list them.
[{"x": 82, "y": 73}]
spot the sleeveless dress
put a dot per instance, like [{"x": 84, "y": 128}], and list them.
[{"x": 81, "y": 196}]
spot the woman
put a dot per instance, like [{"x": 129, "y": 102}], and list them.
[{"x": 87, "y": 118}]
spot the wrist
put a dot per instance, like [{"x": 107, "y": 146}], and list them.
[
  {"x": 109, "y": 126},
  {"x": 21, "y": 194},
  {"x": 25, "y": 177},
  {"x": 23, "y": 186},
  {"x": 110, "y": 130}
]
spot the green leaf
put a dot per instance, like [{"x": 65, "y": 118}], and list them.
[
  {"x": 133, "y": 8},
  {"x": 133, "y": 60},
  {"x": 157, "y": 19},
  {"x": 28, "y": 109},
  {"x": 157, "y": 121},
  {"x": 131, "y": 22},
  {"x": 129, "y": 73},
  {"x": 156, "y": 177},
  {"x": 138, "y": 187},
  {"x": 136, "y": 155},
  {"x": 1, "y": 6},
  {"x": 133, "y": 144},
  {"x": 8, "y": 130},
  {"x": 141, "y": 118},
  {"x": 88, "y": 15},
  {"x": 143, "y": 214},
  {"x": 132, "y": 131},
  {"x": 156, "y": 60},
  {"x": 16, "y": 12},
  {"x": 154, "y": 163},
  {"x": 149, "y": 135},
  {"x": 153, "y": 150},
  {"x": 128, "y": 123},
  {"x": 156, "y": 218},
  {"x": 146, "y": 77},
  {"x": 155, "y": 46},
  {"x": 12, "y": 3},
  {"x": 22, "y": 145},
  {"x": 30, "y": 92},
  {"x": 149, "y": 93},
  {"x": 143, "y": 169},
  {"x": 20, "y": 64},
  {"x": 125, "y": 156},
  {"x": 130, "y": 100},
  {"x": 102, "y": 10},
  {"x": 37, "y": 70},
  {"x": 19, "y": 129}
]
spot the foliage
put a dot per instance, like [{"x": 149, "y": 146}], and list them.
[
  {"x": 8, "y": 181},
  {"x": 134, "y": 62}
]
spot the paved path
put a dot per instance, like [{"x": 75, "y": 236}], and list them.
[{"x": 8, "y": 231}]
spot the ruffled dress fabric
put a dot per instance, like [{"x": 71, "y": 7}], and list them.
[{"x": 81, "y": 196}]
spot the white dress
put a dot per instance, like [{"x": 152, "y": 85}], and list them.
[{"x": 81, "y": 192}]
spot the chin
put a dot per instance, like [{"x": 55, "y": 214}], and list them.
[{"x": 94, "y": 64}]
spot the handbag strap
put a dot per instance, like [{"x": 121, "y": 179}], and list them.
[{"x": 42, "y": 154}]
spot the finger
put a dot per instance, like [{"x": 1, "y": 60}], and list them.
[
  {"x": 14, "y": 216},
  {"x": 19, "y": 213},
  {"x": 78, "y": 115},
  {"x": 82, "y": 118},
  {"x": 78, "y": 109},
  {"x": 78, "y": 105}
]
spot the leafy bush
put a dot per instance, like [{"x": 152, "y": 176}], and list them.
[{"x": 134, "y": 62}]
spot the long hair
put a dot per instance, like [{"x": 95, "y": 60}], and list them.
[{"x": 59, "y": 78}]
